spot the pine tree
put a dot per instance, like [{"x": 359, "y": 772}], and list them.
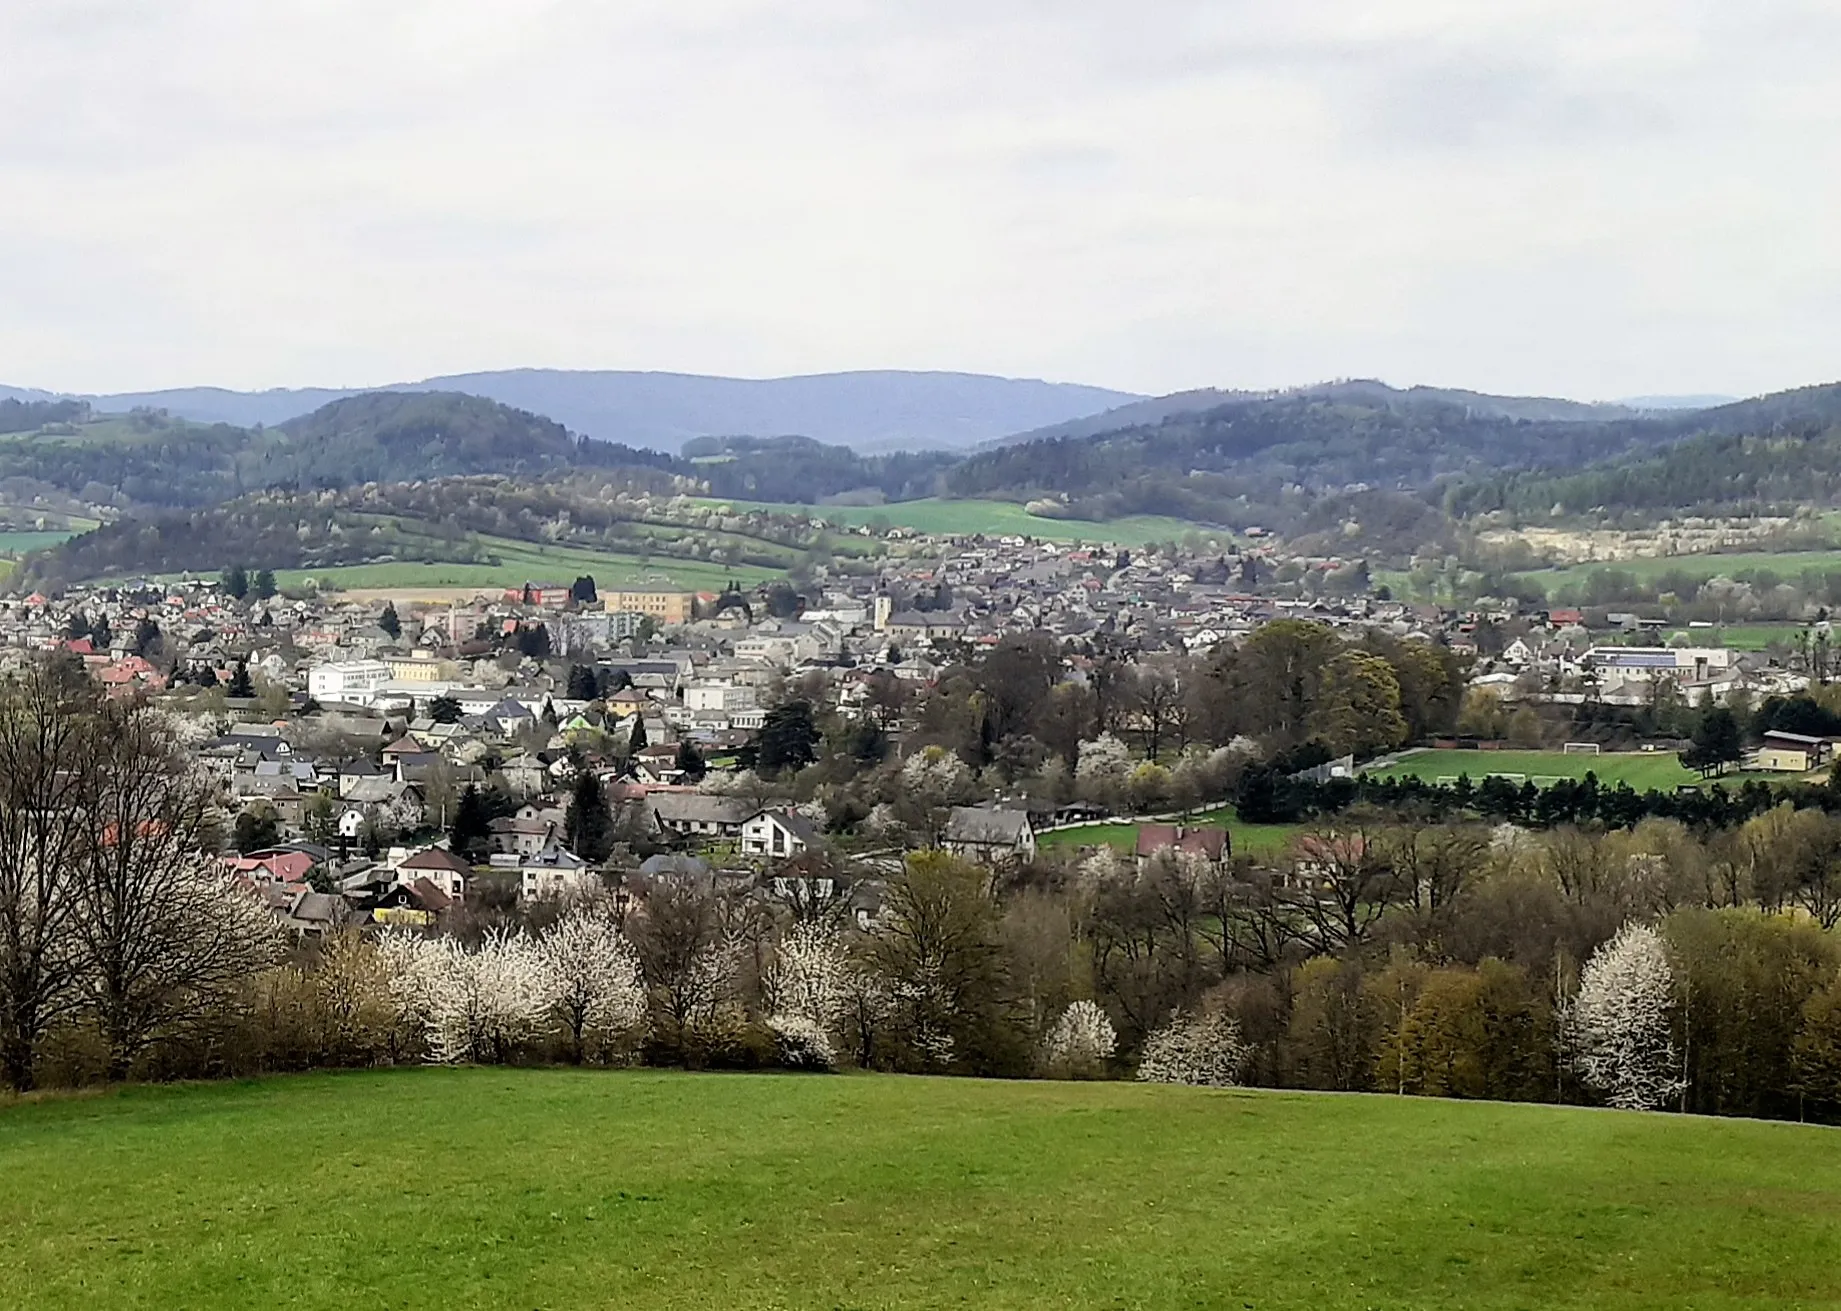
[
  {"x": 235, "y": 581},
  {"x": 690, "y": 761},
  {"x": 636, "y": 736},
  {"x": 265, "y": 584},
  {"x": 588, "y": 827},
  {"x": 471, "y": 833},
  {"x": 240, "y": 683},
  {"x": 389, "y": 622}
]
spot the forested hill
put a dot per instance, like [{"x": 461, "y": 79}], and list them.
[{"x": 1774, "y": 453}]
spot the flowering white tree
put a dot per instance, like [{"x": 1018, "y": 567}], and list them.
[
  {"x": 809, "y": 977},
  {"x": 597, "y": 995},
  {"x": 1619, "y": 1022},
  {"x": 1205, "y": 1050},
  {"x": 802, "y": 1043},
  {"x": 1079, "y": 1043},
  {"x": 474, "y": 1005}
]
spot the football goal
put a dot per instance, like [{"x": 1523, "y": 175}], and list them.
[{"x": 1579, "y": 749}]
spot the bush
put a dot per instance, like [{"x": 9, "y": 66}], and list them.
[{"x": 1206, "y": 1051}]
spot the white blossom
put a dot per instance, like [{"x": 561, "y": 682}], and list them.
[
  {"x": 474, "y": 1005},
  {"x": 1080, "y": 1042},
  {"x": 809, "y": 977},
  {"x": 1103, "y": 760},
  {"x": 1619, "y": 1022},
  {"x": 1206, "y": 1050},
  {"x": 801, "y": 1043},
  {"x": 592, "y": 980}
]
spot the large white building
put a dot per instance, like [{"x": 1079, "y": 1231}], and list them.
[
  {"x": 354, "y": 682},
  {"x": 1642, "y": 664},
  {"x": 725, "y": 697}
]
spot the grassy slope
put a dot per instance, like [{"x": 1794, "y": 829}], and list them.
[
  {"x": 1644, "y": 771},
  {"x": 536, "y": 563},
  {"x": 557, "y": 1189},
  {"x": 991, "y": 518},
  {"x": 1788, "y": 564},
  {"x": 1248, "y": 839}
]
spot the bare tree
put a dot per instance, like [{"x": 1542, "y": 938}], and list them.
[
  {"x": 160, "y": 927},
  {"x": 47, "y": 737},
  {"x": 688, "y": 968}
]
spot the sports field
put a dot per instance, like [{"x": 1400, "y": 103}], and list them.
[
  {"x": 486, "y": 1189},
  {"x": 993, "y": 518},
  {"x": 1643, "y": 770}
]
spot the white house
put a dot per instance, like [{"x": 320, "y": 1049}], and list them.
[
  {"x": 777, "y": 833},
  {"x": 355, "y": 682}
]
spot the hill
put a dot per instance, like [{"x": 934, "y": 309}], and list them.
[
  {"x": 492, "y": 1188},
  {"x": 868, "y": 411}
]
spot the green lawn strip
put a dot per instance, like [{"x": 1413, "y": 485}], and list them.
[
  {"x": 570, "y": 1189},
  {"x": 1247, "y": 839},
  {"x": 1643, "y": 770}
]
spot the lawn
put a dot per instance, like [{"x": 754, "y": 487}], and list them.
[
  {"x": 1248, "y": 839},
  {"x": 1645, "y": 771},
  {"x": 1786, "y": 564},
  {"x": 566, "y": 1189},
  {"x": 534, "y": 562},
  {"x": 993, "y": 518}
]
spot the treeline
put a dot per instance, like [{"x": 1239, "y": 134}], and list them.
[{"x": 29, "y": 416}]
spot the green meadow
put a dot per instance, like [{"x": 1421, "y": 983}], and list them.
[
  {"x": 951, "y": 517},
  {"x": 495, "y": 1188}
]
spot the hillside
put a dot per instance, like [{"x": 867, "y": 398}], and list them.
[
  {"x": 868, "y": 411},
  {"x": 497, "y": 1188}
]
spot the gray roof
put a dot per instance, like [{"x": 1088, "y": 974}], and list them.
[{"x": 980, "y": 826}]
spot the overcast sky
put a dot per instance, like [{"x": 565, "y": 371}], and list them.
[{"x": 1570, "y": 197}]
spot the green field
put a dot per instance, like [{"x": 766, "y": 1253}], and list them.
[
  {"x": 533, "y": 562},
  {"x": 1645, "y": 771},
  {"x": 1786, "y": 564},
  {"x": 992, "y": 518},
  {"x": 516, "y": 1189},
  {"x": 1248, "y": 839},
  {"x": 1740, "y": 637}
]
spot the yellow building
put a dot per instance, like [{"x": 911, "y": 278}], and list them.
[
  {"x": 661, "y": 607},
  {"x": 418, "y": 667}
]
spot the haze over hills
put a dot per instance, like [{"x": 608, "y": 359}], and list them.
[{"x": 867, "y": 411}]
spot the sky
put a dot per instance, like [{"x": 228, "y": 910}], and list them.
[{"x": 1569, "y": 197}]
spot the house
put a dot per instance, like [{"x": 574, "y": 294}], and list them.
[
  {"x": 1204, "y": 842},
  {"x": 278, "y": 866},
  {"x": 552, "y": 872},
  {"x": 699, "y": 815},
  {"x": 438, "y": 867},
  {"x": 781, "y": 834},
  {"x": 1792, "y": 753},
  {"x": 989, "y": 835}
]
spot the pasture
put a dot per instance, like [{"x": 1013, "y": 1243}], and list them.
[
  {"x": 1247, "y": 839},
  {"x": 522, "y": 562},
  {"x": 495, "y": 1188},
  {"x": 951, "y": 517}
]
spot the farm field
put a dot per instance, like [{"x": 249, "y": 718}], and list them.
[
  {"x": 1247, "y": 839},
  {"x": 1740, "y": 637},
  {"x": 1786, "y": 564},
  {"x": 522, "y": 562},
  {"x": 1642, "y": 770},
  {"x": 489, "y": 1189},
  {"x": 994, "y": 518}
]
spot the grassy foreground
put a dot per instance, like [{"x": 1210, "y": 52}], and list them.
[{"x": 561, "y": 1189}]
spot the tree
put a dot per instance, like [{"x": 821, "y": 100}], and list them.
[
  {"x": 688, "y": 966},
  {"x": 77, "y": 627},
  {"x": 240, "y": 682},
  {"x": 480, "y": 1006},
  {"x": 1620, "y": 1022},
  {"x": 471, "y": 834},
  {"x": 583, "y": 685},
  {"x": 689, "y": 761},
  {"x": 47, "y": 736},
  {"x": 1717, "y": 742},
  {"x": 597, "y": 995},
  {"x": 100, "y": 635},
  {"x": 582, "y": 590},
  {"x": 146, "y": 639},
  {"x": 1205, "y": 1050},
  {"x": 320, "y": 819},
  {"x": 588, "y": 825},
  {"x": 1357, "y": 705},
  {"x": 265, "y": 584},
  {"x": 444, "y": 709},
  {"x": 235, "y": 581},
  {"x": 162, "y": 926},
  {"x": 534, "y": 641},
  {"x": 388, "y": 621},
  {"x": 256, "y": 829},
  {"x": 809, "y": 977},
  {"x": 1079, "y": 1043},
  {"x": 788, "y": 739},
  {"x": 636, "y": 735}
]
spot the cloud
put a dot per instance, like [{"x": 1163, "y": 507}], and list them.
[{"x": 1540, "y": 195}]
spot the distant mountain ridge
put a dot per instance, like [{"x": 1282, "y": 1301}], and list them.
[{"x": 879, "y": 410}]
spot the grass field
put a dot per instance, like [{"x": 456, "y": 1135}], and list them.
[
  {"x": 1248, "y": 839},
  {"x": 1787, "y": 564},
  {"x": 1741, "y": 637},
  {"x": 993, "y": 518},
  {"x": 534, "y": 562},
  {"x": 488, "y": 1189},
  {"x": 1642, "y": 770}
]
